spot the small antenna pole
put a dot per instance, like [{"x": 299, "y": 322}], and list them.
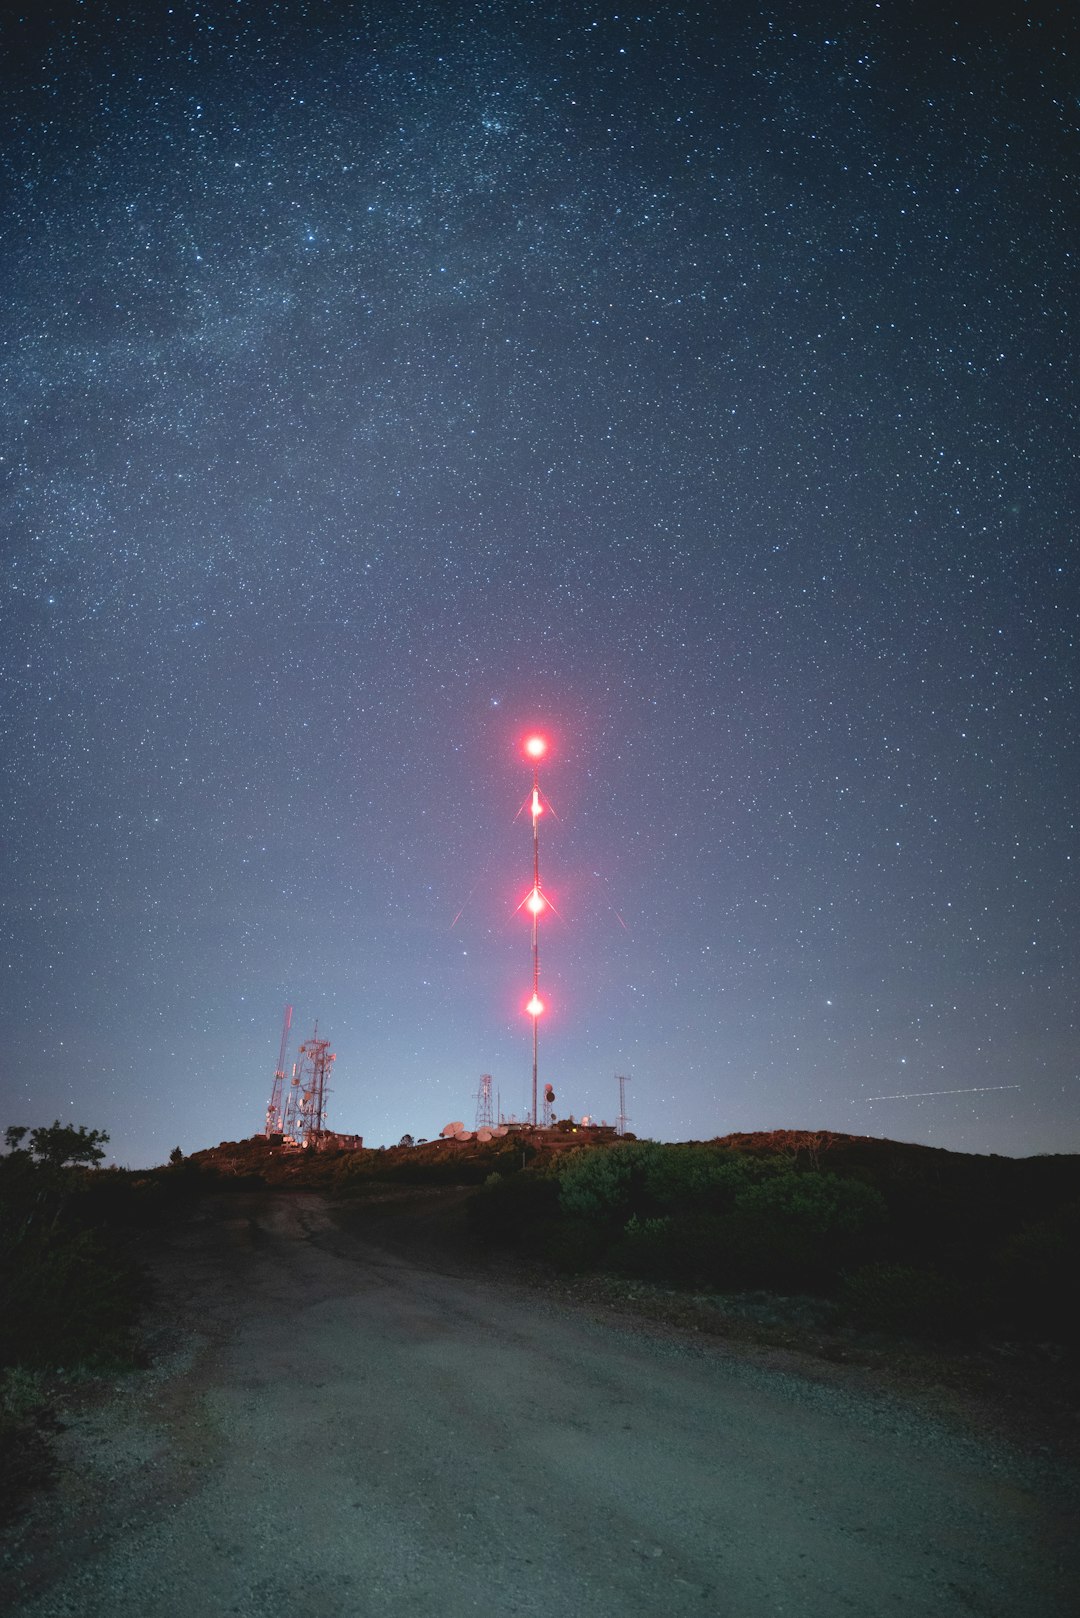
[{"x": 623, "y": 1120}]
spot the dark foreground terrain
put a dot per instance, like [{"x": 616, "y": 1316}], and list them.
[{"x": 341, "y": 1421}]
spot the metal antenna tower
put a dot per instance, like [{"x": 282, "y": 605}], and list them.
[
  {"x": 622, "y": 1120},
  {"x": 484, "y": 1120},
  {"x": 308, "y": 1090},
  {"x": 275, "y": 1112},
  {"x": 290, "y": 1112},
  {"x": 535, "y": 903}
]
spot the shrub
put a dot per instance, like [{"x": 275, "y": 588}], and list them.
[
  {"x": 648, "y": 1179},
  {"x": 800, "y": 1228},
  {"x": 911, "y": 1299},
  {"x": 69, "y": 1292},
  {"x": 694, "y": 1178},
  {"x": 1035, "y": 1277},
  {"x": 70, "y": 1298},
  {"x": 601, "y": 1185},
  {"x": 514, "y": 1209},
  {"x": 25, "y": 1459},
  {"x": 650, "y": 1247},
  {"x": 571, "y": 1244}
]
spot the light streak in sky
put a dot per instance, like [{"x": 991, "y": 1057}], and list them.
[
  {"x": 602, "y": 878},
  {"x": 459, "y": 915},
  {"x": 917, "y": 1095}
]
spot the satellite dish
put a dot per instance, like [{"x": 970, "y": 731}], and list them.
[
  {"x": 452, "y": 1129},
  {"x": 483, "y": 1134},
  {"x": 464, "y": 1134},
  {"x": 499, "y": 1129}
]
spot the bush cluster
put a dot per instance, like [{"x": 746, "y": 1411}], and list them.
[
  {"x": 70, "y": 1290},
  {"x": 907, "y": 1239},
  {"x": 709, "y": 1216}
]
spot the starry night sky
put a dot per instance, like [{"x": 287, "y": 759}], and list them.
[{"x": 383, "y": 382}]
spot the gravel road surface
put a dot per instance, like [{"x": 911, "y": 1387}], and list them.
[{"x": 337, "y": 1428}]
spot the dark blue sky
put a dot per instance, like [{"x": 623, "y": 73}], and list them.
[{"x": 381, "y": 382}]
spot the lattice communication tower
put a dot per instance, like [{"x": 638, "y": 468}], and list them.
[
  {"x": 484, "y": 1119},
  {"x": 305, "y": 1108}
]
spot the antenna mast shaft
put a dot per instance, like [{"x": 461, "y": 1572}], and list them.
[
  {"x": 275, "y": 1111},
  {"x": 535, "y": 927},
  {"x": 535, "y": 748}
]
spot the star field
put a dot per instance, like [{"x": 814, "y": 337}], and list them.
[{"x": 699, "y": 387}]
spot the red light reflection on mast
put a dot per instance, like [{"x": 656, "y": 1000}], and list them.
[{"x": 535, "y": 747}]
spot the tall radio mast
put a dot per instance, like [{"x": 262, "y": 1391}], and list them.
[
  {"x": 535, "y": 904},
  {"x": 275, "y": 1112}
]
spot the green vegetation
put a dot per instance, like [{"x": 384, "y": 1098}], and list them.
[
  {"x": 25, "y": 1461},
  {"x": 70, "y": 1290},
  {"x": 58, "y": 1145},
  {"x": 903, "y": 1238},
  {"x": 349, "y": 1172},
  {"x": 898, "y": 1239}
]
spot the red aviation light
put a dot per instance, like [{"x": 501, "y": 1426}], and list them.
[
  {"x": 535, "y": 747},
  {"x": 535, "y": 1006},
  {"x": 536, "y": 902}
]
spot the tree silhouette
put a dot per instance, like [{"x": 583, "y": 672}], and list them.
[{"x": 60, "y": 1144}]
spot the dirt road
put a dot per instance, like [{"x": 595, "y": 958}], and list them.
[{"x": 341, "y": 1430}]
